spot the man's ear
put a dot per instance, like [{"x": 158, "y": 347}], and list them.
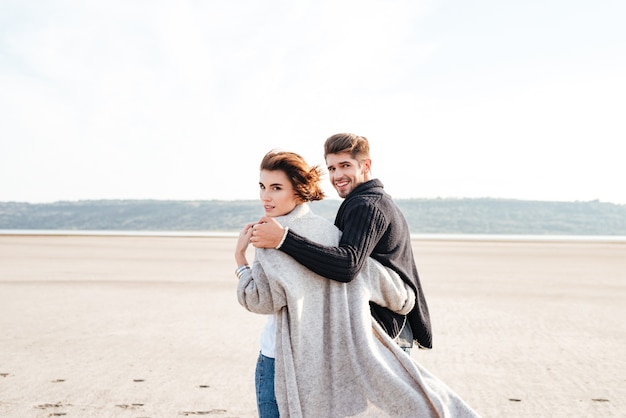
[{"x": 367, "y": 165}]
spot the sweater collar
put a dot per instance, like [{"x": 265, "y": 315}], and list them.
[{"x": 367, "y": 186}]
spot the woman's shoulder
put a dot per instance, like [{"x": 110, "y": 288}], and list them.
[{"x": 317, "y": 228}]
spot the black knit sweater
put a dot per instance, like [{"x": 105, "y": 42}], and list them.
[{"x": 371, "y": 225}]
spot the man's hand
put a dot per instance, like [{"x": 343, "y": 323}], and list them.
[{"x": 267, "y": 233}]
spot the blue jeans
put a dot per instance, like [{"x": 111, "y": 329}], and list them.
[
  {"x": 264, "y": 382},
  {"x": 405, "y": 338}
]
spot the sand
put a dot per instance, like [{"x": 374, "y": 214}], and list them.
[{"x": 94, "y": 326}]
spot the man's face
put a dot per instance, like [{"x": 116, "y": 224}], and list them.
[{"x": 346, "y": 173}]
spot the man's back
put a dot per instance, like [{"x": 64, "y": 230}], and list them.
[{"x": 371, "y": 221}]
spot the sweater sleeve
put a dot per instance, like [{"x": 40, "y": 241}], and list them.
[
  {"x": 362, "y": 225},
  {"x": 253, "y": 291}
]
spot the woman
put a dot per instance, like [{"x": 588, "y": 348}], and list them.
[
  {"x": 280, "y": 196},
  {"x": 331, "y": 358}
]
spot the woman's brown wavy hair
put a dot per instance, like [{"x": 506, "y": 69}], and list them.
[{"x": 304, "y": 179}]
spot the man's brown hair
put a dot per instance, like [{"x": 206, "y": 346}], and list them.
[{"x": 356, "y": 145}]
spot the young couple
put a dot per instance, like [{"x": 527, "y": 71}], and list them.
[{"x": 344, "y": 301}]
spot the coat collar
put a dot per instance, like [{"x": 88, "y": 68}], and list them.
[{"x": 299, "y": 211}]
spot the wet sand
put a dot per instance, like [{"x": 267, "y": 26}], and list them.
[{"x": 111, "y": 326}]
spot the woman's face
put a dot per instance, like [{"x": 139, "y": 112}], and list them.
[{"x": 276, "y": 192}]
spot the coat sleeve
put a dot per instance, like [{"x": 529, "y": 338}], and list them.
[
  {"x": 254, "y": 292},
  {"x": 386, "y": 287}
]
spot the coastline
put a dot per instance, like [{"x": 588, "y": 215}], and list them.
[{"x": 231, "y": 234}]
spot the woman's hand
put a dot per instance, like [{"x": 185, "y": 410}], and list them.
[{"x": 242, "y": 244}]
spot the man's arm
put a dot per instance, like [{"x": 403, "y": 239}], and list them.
[{"x": 362, "y": 229}]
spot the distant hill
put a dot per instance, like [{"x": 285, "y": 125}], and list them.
[{"x": 436, "y": 216}]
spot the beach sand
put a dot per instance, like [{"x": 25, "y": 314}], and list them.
[{"x": 105, "y": 326}]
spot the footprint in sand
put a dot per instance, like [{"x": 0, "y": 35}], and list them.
[
  {"x": 4, "y": 374},
  {"x": 211, "y": 412},
  {"x": 130, "y": 406},
  {"x": 54, "y": 406}
]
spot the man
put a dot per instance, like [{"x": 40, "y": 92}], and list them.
[{"x": 371, "y": 225}]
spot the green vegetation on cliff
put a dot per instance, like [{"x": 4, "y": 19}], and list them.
[{"x": 432, "y": 216}]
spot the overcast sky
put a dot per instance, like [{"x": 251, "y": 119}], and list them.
[{"x": 177, "y": 99}]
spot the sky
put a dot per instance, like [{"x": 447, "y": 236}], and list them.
[{"x": 174, "y": 99}]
